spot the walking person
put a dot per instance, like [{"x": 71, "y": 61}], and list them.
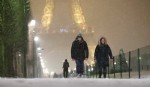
[
  {"x": 79, "y": 53},
  {"x": 65, "y": 68},
  {"x": 102, "y": 55}
]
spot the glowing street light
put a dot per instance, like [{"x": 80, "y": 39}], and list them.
[
  {"x": 40, "y": 57},
  {"x": 39, "y": 48},
  {"x": 52, "y": 74},
  {"x": 93, "y": 31},
  {"x": 69, "y": 70},
  {"x": 92, "y": 69},
  {"x": 46, "y": 71},
  {"x": 74, "y": 69},
  {"x": 36, "y": 38},
  {"x": 40, "y": 54},
  {"x": 19, "y": 55},
  {"x": 32, "y": 23}
]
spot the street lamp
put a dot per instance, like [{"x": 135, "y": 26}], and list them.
[
  {"x": 33, "y": 22},
  {"x": 36, "y": 38},
  {"x": 89, "y": 70},
  {"x": 40, "y": 57},
  {"x": 52, "y": 74},
  {"x": 31, "y": 43},
  {"x": 40, "y": 54},
  {"x": 92, "y": 69},
  {"x": 69, "y": 70},
  {"x": 39, "y": 48},
  {"x": 19, "y": 55},
  {"x": 35, "y": 68}
]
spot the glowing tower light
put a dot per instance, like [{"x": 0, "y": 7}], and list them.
[
  {"x": 48, "y": 14},
  {"x": 78, "y": 14}
]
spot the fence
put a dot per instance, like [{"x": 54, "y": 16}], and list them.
[{"x": 133, "y": 64}]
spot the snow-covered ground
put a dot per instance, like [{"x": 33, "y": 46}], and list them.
[{"x": 75, "y": 82}]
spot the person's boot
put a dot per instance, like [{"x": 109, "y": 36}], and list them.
[
  {"x": 100, "y": 75},
  {"x": 104, "y": 75}
]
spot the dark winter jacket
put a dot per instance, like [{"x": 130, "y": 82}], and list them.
[
  {"x": 102, "y": 54},
  {"x": 65, "y": 65},
  {"x": 79, "y": 50}
]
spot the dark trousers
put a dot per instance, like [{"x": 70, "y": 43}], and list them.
[
  {"x": 79, "y": 66},
  {"x": 65, "y": 73},
  {"x": 102, "y": 70}
]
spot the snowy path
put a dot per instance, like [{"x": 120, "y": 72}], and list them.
[{"x": 76, "y": 82}]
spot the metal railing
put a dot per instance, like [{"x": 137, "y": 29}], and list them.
[{"x": 133, "y": 64}]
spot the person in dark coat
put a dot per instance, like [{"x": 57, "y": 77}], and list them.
[
  {"x": 102, "y": 55},
  {"x": 65, "y": 68},
  {"x": 79, "y": 53}
]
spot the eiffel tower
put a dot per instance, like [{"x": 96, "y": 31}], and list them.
[
  {"x": 63, "y": 20},
  {"x": 55, "y": 12}
]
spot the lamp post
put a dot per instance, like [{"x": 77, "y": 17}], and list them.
[
  {"x": 38, "y": 62},
  {"x": 35, "y": 56},
  {"x": 30, "y": 53}
]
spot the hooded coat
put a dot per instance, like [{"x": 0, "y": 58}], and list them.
[
  {"x": 102, "y": 54},
  {"x": 79, "y": 49}
]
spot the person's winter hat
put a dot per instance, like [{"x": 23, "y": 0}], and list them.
[{"x": 79, "y": 34}]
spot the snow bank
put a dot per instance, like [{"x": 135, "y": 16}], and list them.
[{"x": 74, "y": 82}]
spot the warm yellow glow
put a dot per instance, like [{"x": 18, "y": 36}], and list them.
[
  {"x": 48, "y": 14},
  {"x": 78, "y": 14},
  {"x": 92, "y": 62},
  {"x": 45, "y": 71},
  {"x": 92, "y": 50}
]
